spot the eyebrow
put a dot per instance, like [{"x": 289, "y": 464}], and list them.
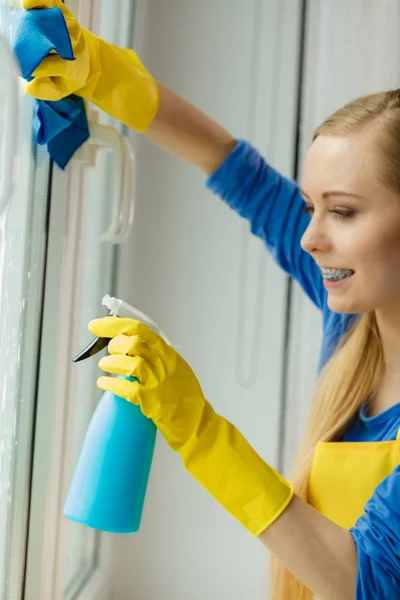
[{"x": 326, "y": 195}]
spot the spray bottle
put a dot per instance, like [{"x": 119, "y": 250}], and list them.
[{"x": 109, "y": 485}]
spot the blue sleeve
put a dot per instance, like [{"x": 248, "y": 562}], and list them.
[
  {"x": 377, "y": 537},
  {"x": 273, "y": 205}
]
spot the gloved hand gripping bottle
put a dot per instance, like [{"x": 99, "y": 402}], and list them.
[{"x": 110, "y": 480}]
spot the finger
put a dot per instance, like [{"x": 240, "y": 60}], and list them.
[
  {"x": 54, "y": 66},
  {"x": 129, "y": 366},
  {"x": 29, "y": 4},
  {"x": 135, "y": 346},
  {"x": 46, "y": 88},
  {"x": 110, "y": 327},
  {"x": 41, "y": 4},
  {"x": 130, "y": 345},
  {"x": 129, "y": 390}
]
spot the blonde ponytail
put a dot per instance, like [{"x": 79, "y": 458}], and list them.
[{"x": 351, "y": 375}]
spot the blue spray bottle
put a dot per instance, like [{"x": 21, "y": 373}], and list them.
[{"x": 110, "y": 480}]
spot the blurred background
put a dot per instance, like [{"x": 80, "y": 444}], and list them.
[{"x": 270, "y": 71}]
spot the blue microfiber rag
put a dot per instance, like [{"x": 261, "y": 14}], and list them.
[{"x": 62, "y": 125}]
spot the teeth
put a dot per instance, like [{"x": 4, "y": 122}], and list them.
[{"x": 336, "y": 274}]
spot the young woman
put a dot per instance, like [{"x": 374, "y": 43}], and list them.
[{"x": 334, "y": 532}]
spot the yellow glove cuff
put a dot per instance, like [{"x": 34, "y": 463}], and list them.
[
  {"x": 121, "y": 86},
  {"x": 223, "y": 461}
]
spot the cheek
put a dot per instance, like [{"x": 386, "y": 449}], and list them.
[
  {"x": 373, "y": 240},
  {"x": 379, "y": 256}
]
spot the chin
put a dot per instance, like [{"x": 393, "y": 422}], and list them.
[{"x": 341, "y": 306}]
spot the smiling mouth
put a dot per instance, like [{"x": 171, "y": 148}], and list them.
[{"x": 335, "y": 274}]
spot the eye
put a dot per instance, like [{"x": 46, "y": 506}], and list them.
[
  {"x": 341, "y": 215},
  {"x": 309, "y": 210}
]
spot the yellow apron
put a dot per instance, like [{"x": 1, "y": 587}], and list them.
[{"x": 344, "y": 476}]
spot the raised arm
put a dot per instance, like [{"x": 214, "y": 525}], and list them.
[
  {"x": 185, "y": 131},
  {"x": 114, "y": 79}
]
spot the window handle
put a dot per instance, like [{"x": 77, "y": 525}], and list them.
[{"x": 123, "y": 198}]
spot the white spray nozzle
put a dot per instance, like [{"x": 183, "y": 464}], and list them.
[{"x": 119, "y": 308}]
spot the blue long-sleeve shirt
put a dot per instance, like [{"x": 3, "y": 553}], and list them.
[{"x": 273, "y": 206}]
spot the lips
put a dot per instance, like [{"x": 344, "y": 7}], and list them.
[{"x": 335, "y": 268}]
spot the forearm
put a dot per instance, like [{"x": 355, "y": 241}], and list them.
[
  {"x": 188, "y": 133},
  {"x": 318, "y": 552}
]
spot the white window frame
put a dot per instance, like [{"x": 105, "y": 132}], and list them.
[
  {"x": 47, "y": 530},
  {"x": 45, "y": 578},
  {"x": 36, "y": 179}
]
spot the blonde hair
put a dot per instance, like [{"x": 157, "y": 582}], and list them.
[{"x": 357, "y": 364}]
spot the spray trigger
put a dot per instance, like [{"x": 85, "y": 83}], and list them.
[
  {"x": 118, "y": 308},
  {"x": 95, "y": 346}
]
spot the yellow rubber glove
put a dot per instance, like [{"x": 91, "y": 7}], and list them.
[
  {"x": 113, "y": 78},
  {"x": 212, "y": 449}
]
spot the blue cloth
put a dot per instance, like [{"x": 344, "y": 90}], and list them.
[
  {"x": 62, "y": 125},
  {"x": 273, "y": 205}
]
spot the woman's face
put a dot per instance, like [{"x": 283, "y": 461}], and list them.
[{"x": 355, "y": 223}]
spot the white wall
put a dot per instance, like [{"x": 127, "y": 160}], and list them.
[{"x": 193, "y": 266}]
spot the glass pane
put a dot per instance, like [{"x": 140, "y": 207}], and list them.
[
  {"x": 10, "y": 322},
  {"x": 95, "y": 275},
  {"x": 22, "y": 231},
  {"x": 94, "y": 280}
]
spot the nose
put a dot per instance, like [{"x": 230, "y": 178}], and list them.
[{"x": 315, "y": 238}]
